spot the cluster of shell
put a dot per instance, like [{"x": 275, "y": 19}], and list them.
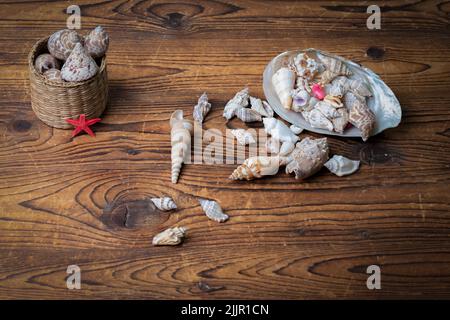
[
  {"x": 175, "y": 235},
  {"x": 323, "y": 92},
  {"x": 71, "y": 56}
]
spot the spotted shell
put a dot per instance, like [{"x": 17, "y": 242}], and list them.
[
  {"x": 62, "y": 42},
  {"x": 45, "y": 62},
  {"x": 53, "y": 75},
  {"x": 97, "y": 42},
  {"x": 170, "y": 237},
  {"x": 213, "y": 210},
  {"x": 79, "y": 66}
]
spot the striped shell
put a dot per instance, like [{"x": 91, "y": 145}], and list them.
[
  {"x": 46, "y": 62},
  {"x": 79, "y": 66},
  {"x": 283, "y": 82},
  {"x": 164, "y": 203},
  {"x": 53, "y": 75},
  {"x": 62, "y": 42},
  {"x": 97, "y": 42},
  {"x": 170, "y": 237},
  {"x": 202, "y": 108},
  {"x": 256, "y": 167},
  {"x": 212, "y": 210}
]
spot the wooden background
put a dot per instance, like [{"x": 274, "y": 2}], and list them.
[{"x": 285, "y": 239}]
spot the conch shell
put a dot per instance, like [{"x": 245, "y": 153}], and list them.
[
  {"x": 169, "y": 237},
  {"x": 243, "y": 136},
  {"x": 46, "y": 62},
  {"x": 300, "y": 98},
  {"x": 248, "y": 115},
  {"x": 335, "y": 66},
  {"x": 202, "y": 108},
  {"x": 62, "y": 42},
  {"x": 53, "y": 75},
  {"x": 264, "y": 109},
  {"x": 212, "y": 210},
  {"x": 279, "y": 130},
  {"x": 79, "y": 66},
  {"x": 308, "y": 157},
  {"x": 96, "y": 42},
  {"x": 164, "y": 203},
  {"x": 283, "y": 82},
  {"x": 341, "y": 166},
  {"x": 180, "y": 137},
  {"x": 257, "y": 167},
  {"x": 361, "y": 117},
  {"x": 240, "y": 100},
  {"x": 273, "y": 145}
]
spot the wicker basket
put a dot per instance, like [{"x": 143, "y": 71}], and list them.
[{"x": 53, "y": 102}]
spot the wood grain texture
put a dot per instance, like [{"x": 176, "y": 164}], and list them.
[{"x": 68, "y": 201}]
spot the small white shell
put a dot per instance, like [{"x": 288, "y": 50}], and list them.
[
  {"x": 169, "y": 237},
  {"x": 45, "y": 62},
  {"x": 300, "y": 98},
  {"x": 248, "y": 115},
  {"x": 164, "y": 203},
  {"x": 244, "y": 137},
  {"x": 202, "y": 108},
  {"x": 295, "y": 129},
  {"x": 279, "y": 130},
  {"x": 283, "y": 82},
  {"x": 286, "y": 148},
  {"x": 263, "y": 109},
  {"x": 240, "y": 100},
  {"x": 97, "y": 42},
  {"x": 79, "y": 66},
  {"x": 212, "y": 210},
  {"x": 342, "y": 166}
]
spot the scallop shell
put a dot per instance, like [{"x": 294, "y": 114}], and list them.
[
  {"x": 46, "y": 62},
  {"x": 308, "y": 157},
  {"x": 53, "y": 75},
  {"x": 62, "y": 42},
  {"x": 295, "y": 129},
  {"x": 170, "y": 237},
  {"x": 256, "y": 167},
  {"x": 202, "y": 108},
  {"x": 79, "y": 66},
  {"x": 342, "y": 166},
  {"x": 213, "y": 210},
  {"x": 248, "y": 115},
  {"x": 382, "y": 103},
  {"x": 283, "y": 82},
  {"x": 96, "y": 42},
  {"x": 279, "y": 130},
  {"x": 164, "y": 203},
  {"x": 264, "y": 109},
  {"x": 243, "y": 136},
  {"x": 240, "y": 100}
]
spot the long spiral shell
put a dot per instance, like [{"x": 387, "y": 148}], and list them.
[
  {"x": 97, "y": 42},
  {"x": 62, "y": 42},
  {"x": 180, "y": 137},
  {"x": 164, "y": 203},
  {"x": 202, "y": 108},
  {"x": 213, "y": 210},
  {"x": 283, "y": 82},
  {"x": 170, "y": 237},
  {"x": 46, "y": 62}
]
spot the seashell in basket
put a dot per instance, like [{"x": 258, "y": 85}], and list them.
[
  {"x": 61, "y": 43},
  {"x": 46, "y": 62},
  {"x": 97, "y": 42},
  {"x": 53, "y": 75},
  {"x": 383, "y": 103},
  {"x": 79, "y": 66}
]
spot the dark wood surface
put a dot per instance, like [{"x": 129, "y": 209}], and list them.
[{"x": 285, "y": 239}]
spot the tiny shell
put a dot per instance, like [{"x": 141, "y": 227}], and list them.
[
  {"x": 248, "y": 115},
  {"x": 327, "y": 76},
  {"x": 240, "y": 100},
  {"x": 79, "y": 66},
  {"x": 164, "y": 203},
  {"x": 278, "y": 130},
  {"x": 244, "y": 137},
  {"x": 202, "y": 108},
  {"x": 62, "y": 42},
  {"x": 295, "y": 129},
  {"x": 169, "y": 237},
  {"x": 263, "y": 109},
  {"x": 53, "y": 75},
  {"x": 46, "y": 62},
  {"x": 257, "y": 167},
  {"x": 342, "y": 166},
  {"x": 283, "y": 82},
  {"x": 212, "y": 210},
  {"x": 96, "y": 42},
  {"x": 180, "y": 139}
]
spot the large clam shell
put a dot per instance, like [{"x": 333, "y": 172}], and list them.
[{"x": 383, "y": 103}]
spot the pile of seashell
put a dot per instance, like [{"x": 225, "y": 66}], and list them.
[
  {"x": 322, "y": 90},
  {"x": 75, "y": 53}
]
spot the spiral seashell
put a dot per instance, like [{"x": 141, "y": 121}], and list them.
[
  {"x": 244, "y": 137},
  {"x": 351, "y": 98},
  {"x": 295, "y": 129},
  {"x": 362, "y": 117},
  {"x": 263, "y": 108},
  {"x": 202, "y": 108},
  {"x": 46, "y": 62},
  {"x": 327, "y": 109},
  {"x": 212, "y": 210},
  {"x": 305, "y": 66},
  {"x": 341, "y": 122},
  {"x": 327, "y": 76},
  {"x": 283, "y": 82},
  {"x": 53, "y": 75},
  {"x": 333, "y": 101},
  {"x": 164, "y": 203},
  {"x": 248, "y": 115},
  {"x": 240, "y": 100},
  {"x": 180, "y": 137},
  {"x": 317, "y": 119},
  {"x": 342, "y": 166},
  {"x": 62, "y": 42},
  {"x": 79, "y": 66},
  {"x": 97, "y": 42},
  {"x": 359, "y": 87},
  {"x": 286, "y": 148},
  {"x": 308, "y": 157},
  {"x": 335, "y": 66},
  {"x": 170, "y": 237},
  {"x": 278, "y": 130},
  {"x": 257, "y": 167},
  {"x": 300, "y": 98}
]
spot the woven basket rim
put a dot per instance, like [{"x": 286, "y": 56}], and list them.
[{"x": 32, "y": 56}]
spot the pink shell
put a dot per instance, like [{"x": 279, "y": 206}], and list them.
[{"x": 318, "y": 91}]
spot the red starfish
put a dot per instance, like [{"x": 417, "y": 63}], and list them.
[{"x": 83, "y": 125}]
